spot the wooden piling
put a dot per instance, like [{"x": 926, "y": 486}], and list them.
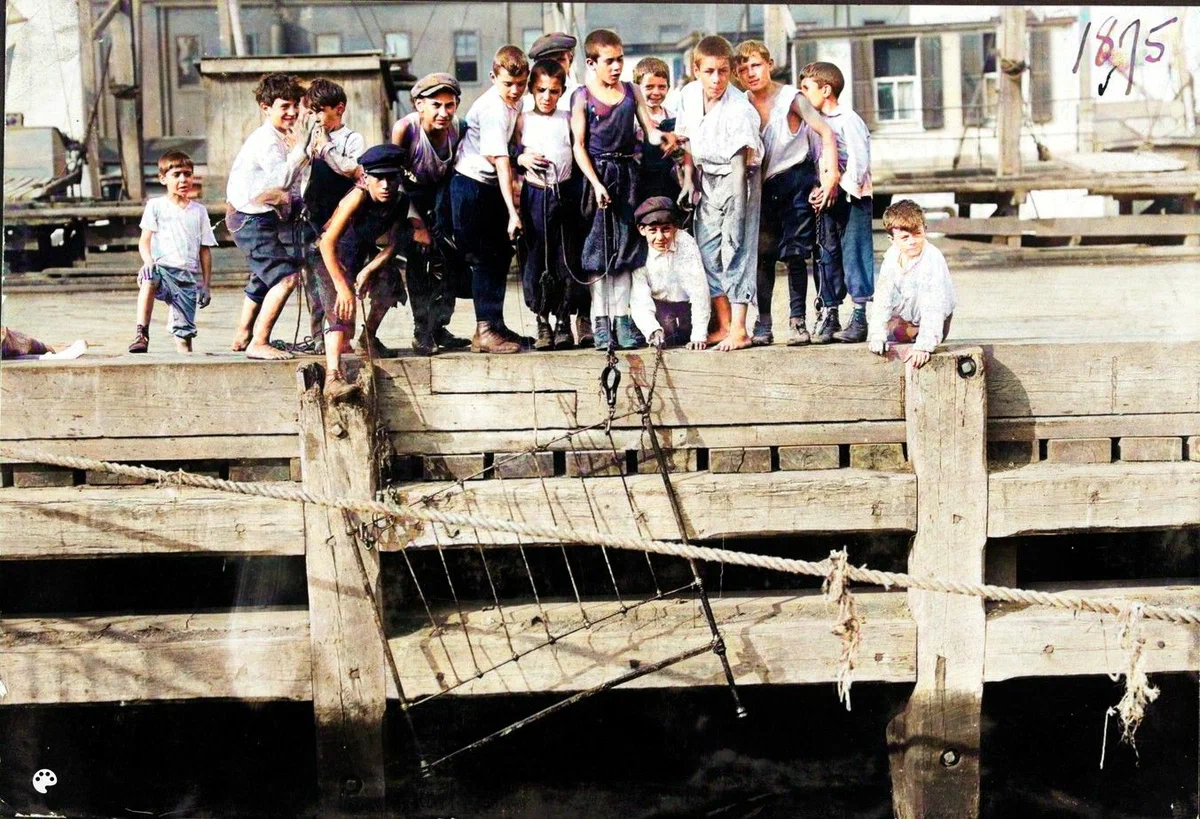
[
  {"x": 348, "y": 666},
  {"x": 934, "y": 743}
]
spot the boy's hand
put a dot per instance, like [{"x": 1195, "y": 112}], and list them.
[
  {"x": 879, "y": 347},
  {"x": 603, "y": 200},
  {"x": 363, "y": 280},
  {"x": 656, "y": 338},
  {"x": 532, "y": 161},
  {"x": 146, "y": 273},
  {"x": 818, "y": 197},
  {"x": 203, "y": 297},
  {"x": 319, "y": 142},
  {"x": 670, "y": 142},
  {"x": 697, "y": 345},
  {"x": 917, "y": 358},
  {"x": 687, "y": 196},
  {"x": 343, "y": 309},
  {"x": 514, "y": 226},
  {"x": 421, "y": 235}
]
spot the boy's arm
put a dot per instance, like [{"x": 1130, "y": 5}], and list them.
[
  {"x": 653, "y": 135},
  {"x": 328, "y": 246},
  {"x": 380, "y": 259},
  {"x": 579, "y": 149},
  {"x": 144, "y": 249},
  {"x": 206, "y": 276},
  {"x": 687, "y": 192},
  {"x": 641, "y": 304},
  {"x": 880, "y": 309},
  {"x": 934, "y": 304},
  {"x": 858, "y": 151},
  {"x": 695, "y": 283},
  {"x": 737, "y": 182},
  {"x": 345, "y": 163},
  {"x": 830, "y": 175},
  {"x": 504, "y": 175}
]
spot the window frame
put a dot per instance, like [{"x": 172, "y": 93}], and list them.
[
  {"x": 407, "y": 34},
  {"x": 458, "y": 67},
  {"x": 326, "y": 34},
  {"x": 895, "y": 81}
]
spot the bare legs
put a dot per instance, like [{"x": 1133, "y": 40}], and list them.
[{"x": 260, "y": 341}]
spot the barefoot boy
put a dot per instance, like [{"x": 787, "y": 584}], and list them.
[
  {"x": 915, "y": 298},
  {"x": 549, "y": 203},
  {"x": 176, "y": 238},
  {"x": 375, "y": 207},
  {"x": 603, "y": 112},
  {"x": 670, "y": 301},
  {"x": 486, "y": 219},
  {"x": 262, "y": 194},
  {"x": 658, "y": 174},
  {"x": 722, "y": 128},
  {"x": 789, "y": 171}
]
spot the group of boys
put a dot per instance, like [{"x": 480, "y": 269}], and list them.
[{"x": 589, "y": 183}]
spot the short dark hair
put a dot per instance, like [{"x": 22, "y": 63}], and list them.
[
  {"x": 323, "y": 93},
  {"x": 904, "y": 215},
  {"x": 825, "y": 74},
  {"x": 548, "y": 68},
  {"x": 278, "y": 87},
  {"x": 650, "y": 67},
  {"x": 174, "y": 159},
  {"x": 511, "y": 59},
  {"x": 598, "y": 39},
  {"x": 713, "y": 46}
]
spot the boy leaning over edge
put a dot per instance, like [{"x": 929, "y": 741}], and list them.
[{"x": 669, "y": 296}]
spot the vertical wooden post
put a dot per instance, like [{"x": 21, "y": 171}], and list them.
[
  {"x": 348, "y": 662},
  {"x": 123, "y": 83},
  {"x": 87, "y": 74},
  {"x": 1011, "y": 114},
  {"x": 934, "y": 743}
]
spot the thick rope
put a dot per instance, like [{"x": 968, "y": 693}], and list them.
[
  {"x": 563, "y": 534},
  {"x": 849, "y": 626}
]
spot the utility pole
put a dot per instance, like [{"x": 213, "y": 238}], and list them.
[
  {"x": 1012, "y": 49},
  {"x": 127, "y": 93},
  {"x": 87, "y": 71}
]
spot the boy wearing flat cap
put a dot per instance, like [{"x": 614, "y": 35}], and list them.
[
  {"x": 375, "y": 207},
  {"x": 669, "y": 298},
  {"x": 560, "y": 47},
  {"x": 429, "y": 138}
]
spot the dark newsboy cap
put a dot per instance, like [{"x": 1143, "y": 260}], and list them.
[
  {"x": 551, "y": 43},
  {"x": 656, "y": 210},
  {"x": 382, "y": 160},
  {"x": 432, "y": 83}
]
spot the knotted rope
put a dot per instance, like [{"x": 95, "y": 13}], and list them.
[{"x": 848, "y": 627}]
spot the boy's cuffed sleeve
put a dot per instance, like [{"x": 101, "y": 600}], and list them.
[
  {"x": 695, "y": 284},
  {"x": 641, "y": 303},
  {"x": 149, "y": 217},
  {"x": 207, "y": 237},
  {"x": 495, "y": 129},
  {"x": 930, "y": 334}
]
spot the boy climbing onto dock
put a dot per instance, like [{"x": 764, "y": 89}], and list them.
[
  {"x": 176, "y": 237},
  {"x": 915, "y": 298},
  {"x": 263, "y": 195},
  {"x": 603, "y": 113},
  {"x": 669, "y": 300},
  {"x": 847, "y": 255},
  {"x": 722, "y": 129}
]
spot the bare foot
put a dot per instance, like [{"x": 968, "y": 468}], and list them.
[
  {"x": 718, "y": 335},
  {"x": 265, "y": 352},
  {"x": 736, "y": 340},
  {"x": 242, "y": 340}
]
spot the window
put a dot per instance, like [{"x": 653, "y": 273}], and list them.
[
  {"x": 670, "y": 34},
  {"x": 896, "y": 86},
  {"x": 991, "y": 79},
  {"x": 329, "y": 44},
  {"x": 528, "y": 37},
  {"x": 253, "y": 44},
  {"x": 398, "y": 44},
  {"x": 466, "y": 56}
]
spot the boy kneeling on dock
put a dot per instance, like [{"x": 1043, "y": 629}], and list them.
[
  {"x": 669, "y": 296},
  {"x": 176, "y": 237},
  {"x": 914, "y": 297}
]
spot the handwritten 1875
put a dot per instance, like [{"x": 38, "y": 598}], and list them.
[{"x": 1114, "y": 53}]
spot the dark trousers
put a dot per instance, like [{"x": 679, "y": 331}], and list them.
[
  {"x": 551, "y": 254},
  {"x": 481, "y": 233},
  {"x": 847, "y": 254},
  {"x": 787, "y": 231},
  {"x": 432, "y": 273}
]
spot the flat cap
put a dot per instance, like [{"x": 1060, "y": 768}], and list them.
[
  {"x": 433, "y": 83},
  {"x": 382, "y": 160},
  {"x": 656, "y": 210},
  {"x": 551, "y": 43}
]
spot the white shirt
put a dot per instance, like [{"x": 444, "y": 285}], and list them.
[
  {"x": 716, "y": 137},
  {"x": 550, "y": 136},
  {"x": 921, "y": 294},
  {"x": 262, "y": 164},
  {"x": 178, "y": 232},
  {"x": 564, "y": 102},
  {"x": 490, "y": 126},
  {"x": 783, "y": 148},
  {"x": 676, "y": 275},
  {"x": 341, "y": 153},
  {"x": 854, "y": 150}
]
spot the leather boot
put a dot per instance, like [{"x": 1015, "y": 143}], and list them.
[
  {"x": 448, "y": 340},
  {"x": 583, "y": 331},
  {"x": 488, "y": 339}
]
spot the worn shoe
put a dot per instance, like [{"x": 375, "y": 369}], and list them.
[
  {"x": 562, "y": 334},
  {"x": 856, "y": 330},
  {"x": 583, "y": 332},
  {"x": 545, "y": 337},
  {"x": 763, "y": 337},
  {"x": 827, "y": 325},
  {"x": 141, "y": 341},
  {"x": 507, "y": 332},
  {"x": 602, "y": 335},
  {"x": 447, "y": 340},
  {"x": 797, "y": 333},
  {"x": 369, "y": 345},
  {"x": 424, "y": 345},
  {"x": 488, "y": 339},
  {"x": 627, "y": 334},
  {"x": 337, "y": 389}
]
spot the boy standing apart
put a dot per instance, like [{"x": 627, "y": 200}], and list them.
[
  {"x": 176, "y": 238},
  {"x": 603, "y": 112},
  {"x": 788, "y": 223},
  {"x": 549, "y": 200},
  {"x": 486, "y": 219},
  {"x": 658, "y": 174},
  {"x": 721, "y": 127},
  {"x": 670, "y": 300},
  {"x": 916, "y": 298},
  {"x": 333, "y": 169},
  {"x": 429, "y": 138},
  {"x": 262, "y": 195},
  {"x": 847, "y": 255}
]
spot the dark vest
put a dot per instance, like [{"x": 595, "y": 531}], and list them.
[{"x": 325, "y": 190}]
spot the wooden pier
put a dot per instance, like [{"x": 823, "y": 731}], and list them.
[{"x": 986, "y": 442}]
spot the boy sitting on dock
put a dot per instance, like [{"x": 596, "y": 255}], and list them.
[
  {"x": 263, "y": 195},
  {"x": 914, "y": 297},
  {"x": 176, "y": 260},
  {"x": 669, "y": 298}
]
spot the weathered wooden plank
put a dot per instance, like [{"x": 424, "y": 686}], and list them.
[
  {"x": 245, "y": 654},
  {"x": 35, "y": 476},
  {"x": 883, "y": 457},
  {"x": 148, "y": 450},
  {"x": 740, "y": 460},
  {"x": 796, "y": 458},
  {"x": 479, "y": 411},
  {"x": 934, "y": 743},
  {"x": 1193, "y": 448},
  {"x": 86, "y": 521},
  {"x": 1150, "y": 449},
  {"x": 1079, "y": 451},
  {"x": 678, "y": 460},
  {"x": 595, "y": 463},
  {"x": 348, "y": 664},
  {"x": 453, "y": 467},
  {"x": 714, "y": 506},
  {"x": 1093, "y": 426},
  {"x": 1115, "y": 226},
  {"x": 1049, "y": 497},
  {"x": 275, "y": 469},
  {"x": 531, "y": 465}
]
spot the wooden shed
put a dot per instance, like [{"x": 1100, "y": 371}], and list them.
[{"x": 232, "y": 113}]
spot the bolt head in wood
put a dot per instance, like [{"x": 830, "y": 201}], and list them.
[
  {"x": 338, "y": 431},
  {"x": 967, "y": 366},
  {"x": 950, "y": 758}
]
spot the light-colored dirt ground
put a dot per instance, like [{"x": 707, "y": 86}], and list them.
[{"x": 1096, "y": 302}]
